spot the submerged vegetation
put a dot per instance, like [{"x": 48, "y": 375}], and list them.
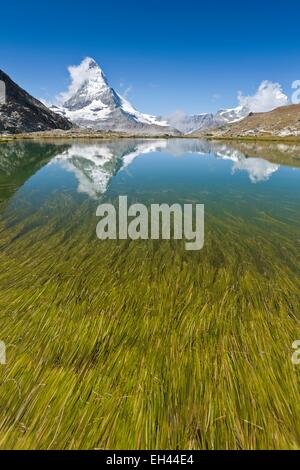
[{"x": 143, "y": 345}]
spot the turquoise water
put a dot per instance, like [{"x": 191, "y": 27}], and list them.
[
  {"x": 62, "y": 184},
  {"x": 218, "y": 175}
]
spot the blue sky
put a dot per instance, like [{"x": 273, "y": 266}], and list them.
[{"x": 190, "y": 55}]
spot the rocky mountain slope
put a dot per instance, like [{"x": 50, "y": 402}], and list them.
[
  {"x": 281, "y": 122},
  {"x": 20, "y": 112}
]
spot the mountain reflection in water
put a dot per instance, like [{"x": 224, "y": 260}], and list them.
[{"x": 94, "y": 163}]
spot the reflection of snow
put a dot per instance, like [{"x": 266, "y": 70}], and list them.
[
  {"x": 87, "y": 163},
  {"x": 95, "y": 153},
  {"x": 93, "y": 165},
  {"x": 174, "y": 147},
  {"x": 93, "y": 181},
  {"x": 143, "y": 148},
  {"x": 229, "y": 154}
]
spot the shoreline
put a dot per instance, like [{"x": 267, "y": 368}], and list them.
[
  {"x": 114, "y": 136},
  {"x": 274, "y": 139}
]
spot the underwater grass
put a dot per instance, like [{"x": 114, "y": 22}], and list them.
[{"x": 143, "y": 345}]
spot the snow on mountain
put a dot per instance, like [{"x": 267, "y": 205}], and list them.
[
  {"x": 91, "y": 103},
  {"x": 189, "y": 123},
  {"x": 226, "y": 116},
  {"x": 267, "y": 97}
]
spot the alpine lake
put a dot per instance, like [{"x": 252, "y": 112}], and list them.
[{"x": 142, "y": 344}]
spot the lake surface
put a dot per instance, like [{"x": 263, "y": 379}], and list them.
[{"x": 185, "y": 349}]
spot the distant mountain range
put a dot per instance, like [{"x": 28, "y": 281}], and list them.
[
  {"x": 188, "y": 123},
  {"x": 96, "y": 105},
  {"x": 280, "y": 122},
  {"x": 91, "y": 103}
]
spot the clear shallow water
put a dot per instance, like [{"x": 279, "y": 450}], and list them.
[
  {"x": 184, "y": 349},
  {"x": 218, "y": 175},
  {"x": 249, "y": 190}
]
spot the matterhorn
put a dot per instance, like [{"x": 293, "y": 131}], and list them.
[{"x": 92, "y": 103}]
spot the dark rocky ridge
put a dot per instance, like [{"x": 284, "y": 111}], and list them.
[{"x": 23, "y": 113}]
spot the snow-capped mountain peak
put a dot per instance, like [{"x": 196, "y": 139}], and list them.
[
  {"x": 91, "y": 102},
  {"x": 226, "y": 116},
  {"x": 89, "y": 84}
]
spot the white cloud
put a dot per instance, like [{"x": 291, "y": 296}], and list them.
[
  {"x": 78, "y": 74},
  {"x": 177, "y": 118},
  {"x": 127, "y": 91},
  {"x": 268, "y": 96},
  {"x": 216, "y": 96},
  {"x": 257, "y": 168},
  {"x": 181, "y": 120}
]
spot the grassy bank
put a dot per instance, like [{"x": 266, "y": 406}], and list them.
[
  {"x": 69, "y": 135},
  {"x": 270, "y": 138}
]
